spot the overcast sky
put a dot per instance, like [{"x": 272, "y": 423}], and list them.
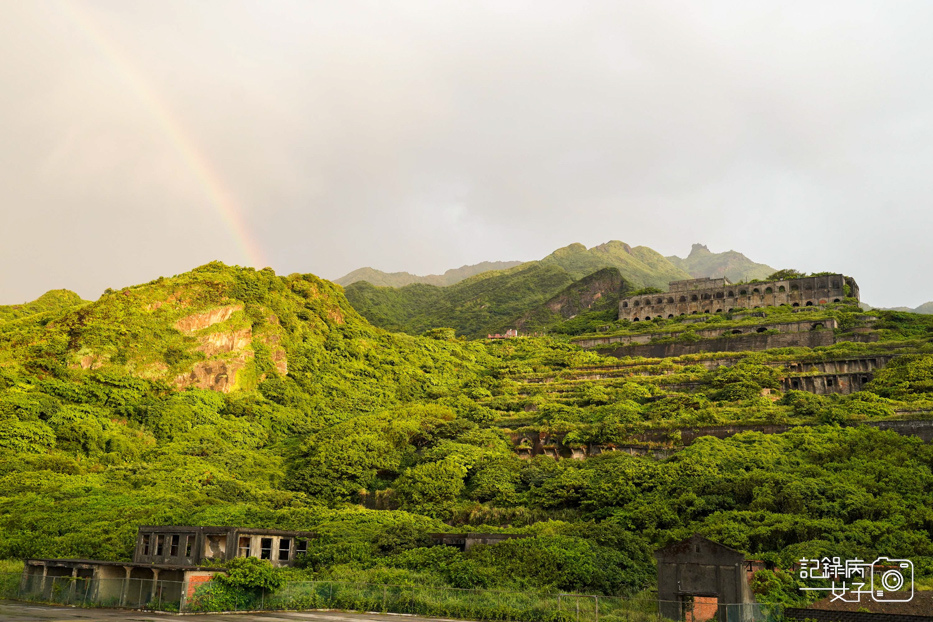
[{"x": 140, "y": 139}]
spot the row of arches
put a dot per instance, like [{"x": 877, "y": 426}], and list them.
[
  {"x": 719, "y": 295},
  {"x": 647, "y": 318}
]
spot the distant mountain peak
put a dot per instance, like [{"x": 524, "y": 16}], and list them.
[
  {"x": 702, "y": 262},
  {"x": 699, "y": 249}
]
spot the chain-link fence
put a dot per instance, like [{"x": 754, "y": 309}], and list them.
[
  {"x": 213, "y": 596},
  {"x": 149, "y": 594}
]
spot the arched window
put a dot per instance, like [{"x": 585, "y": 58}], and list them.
[
  {"x": 794, "y": 288},
  {"x": 683, "y": 299},
  {"x": 809, "y": 303},
  {"x": 756, "y": 291},
  {"x": 743, "y": 292},
  {"x": 730, "y": 310},
  {"x": 782, "y": 289},
  {"x": 647, "y": 317},
  {"x": 768, "y": 290},
  {"x": 624, "y": 305},
  {"x": 706, "y": 296},
  {"x": 761, "y": 329},
  {"x": 836, "y": 300},
  {"x": 682, "y": 314},
  {"x": 659, "y": 301},
  {"x": 636, "y": 303},
  {"x": 731, "y": 294},
  {"x": 719, "y": 295},
  {"x": 796, "y": 304},
  {"x": 817, "y": 326},
  {"x": 693, "y": 298},
  {"x": 670, "y": 300},
  {"x": 718, "y": 310},
  {"x": 736, "y": 332},
  {"x": 634, "y": 319},
  {"x": 670, "y": 315},
  {"x": 694, "y": 313}
]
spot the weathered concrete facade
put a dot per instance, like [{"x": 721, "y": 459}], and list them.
[
  {"x": 168, "y": 564},
  {"x": 720, "y": 296},
  {"x": 123, "y": 584},
  {"x": 466, "y": 541},
  {"x": 727, "y": 343},
  {"x": 193, "y": 545},
  {"x": 802, "y": 326},
  {"x": 697, "y": 570}
]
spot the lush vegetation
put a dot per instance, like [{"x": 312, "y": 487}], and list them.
[{"x": 100, "y": 432}]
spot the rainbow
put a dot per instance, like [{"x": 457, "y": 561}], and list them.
[{"x": 221, "y": 199}]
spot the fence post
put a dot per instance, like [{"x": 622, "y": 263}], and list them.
[
  {"x": 384, "y": 603},
  {"x": 578, "y": 608},
  {"x": 596, "y": 598}
]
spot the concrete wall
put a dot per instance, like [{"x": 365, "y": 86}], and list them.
[
  {"x": 712, "y": 296},
  {"x": 699, "y": 567},
  {"x": 186, "y": 545},
  {"x": 737, "y": 343},
  {"x": 712, "y": 333},
  {"x": 826, "y": 384},
  {"x": 466, "y": 541}
]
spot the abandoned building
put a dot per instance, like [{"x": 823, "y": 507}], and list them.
[
  {"x": 699, "y": 579},
  {"x": 466, "y": 541},
  {"x": 192, "y": 545},
  {"x": 169, "y": 562},
  {"x": 720, "y": 296}
]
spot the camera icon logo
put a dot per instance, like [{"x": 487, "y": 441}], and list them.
[{"x": 892, "y": 580}]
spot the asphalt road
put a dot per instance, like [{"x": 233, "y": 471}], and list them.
[{"x": 22, "y": 612}]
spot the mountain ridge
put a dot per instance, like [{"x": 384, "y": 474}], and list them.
[
  {"x": 400, "y": 279},
  {"x": 494, "y": 301},
  {"x": 733, "y": 265}
]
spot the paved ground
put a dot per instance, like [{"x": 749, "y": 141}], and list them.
[{"x": 22, "y": 612}]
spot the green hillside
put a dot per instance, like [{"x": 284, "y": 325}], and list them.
[
  {"x": 53, "y": 301},
  {"x": 640, "y": 266},
  {"x": 730, "y": 264},
  {"x": 400, "y": 279},
  {"x": 479, "y": 305},
  {"x": 230, "y": 396},
  {"x": 495, "y": 301}
]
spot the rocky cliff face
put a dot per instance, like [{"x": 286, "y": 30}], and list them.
[
  {"x": 597, "y": 291},
  {"x": 217, "y": 327}
]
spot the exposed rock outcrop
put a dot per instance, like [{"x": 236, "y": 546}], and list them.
[{"x": 198, "y": 321}]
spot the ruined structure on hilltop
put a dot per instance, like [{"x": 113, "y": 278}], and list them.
[{"x": 720, "y": 296}]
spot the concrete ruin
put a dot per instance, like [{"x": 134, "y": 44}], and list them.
[
  {"x": 699, "y": 579},
  {"x": 466, "y": 541},
  {"x": 720, "y": 296},
  {"x": 169, "y": 562}
]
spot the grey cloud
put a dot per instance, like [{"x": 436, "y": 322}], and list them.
[{"x": 424, "y": 135}]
